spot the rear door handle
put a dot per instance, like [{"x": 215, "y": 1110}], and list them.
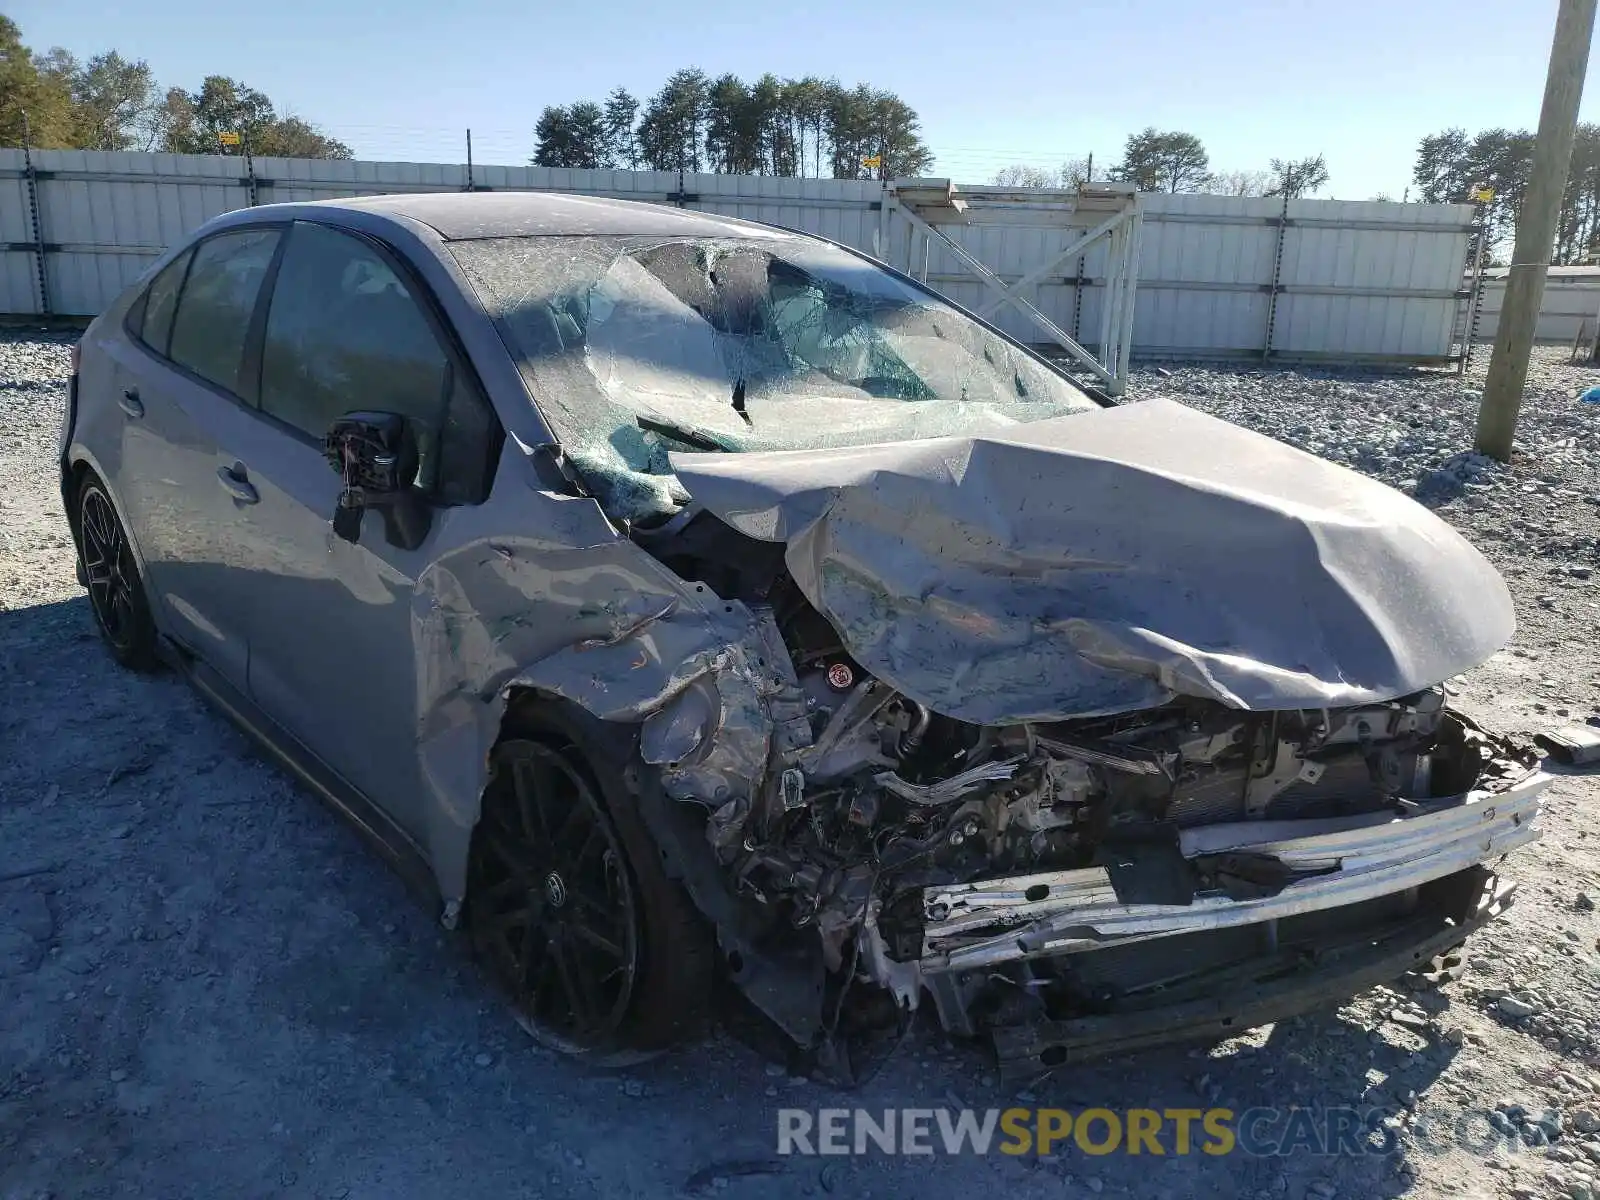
[
  {"x": 130, "y": 403},
  {"x": 240, "y": 488}
]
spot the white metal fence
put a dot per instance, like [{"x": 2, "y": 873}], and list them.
[
  {"x": 1217, "y": 276},
  {"x": 1570, "y": 308}
]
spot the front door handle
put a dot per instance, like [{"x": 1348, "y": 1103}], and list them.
[
  {"x": 130, "y": 403},
  {"x": 240, "y": 488}
]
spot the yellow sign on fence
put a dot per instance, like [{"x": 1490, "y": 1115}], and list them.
[
  {"x": 1483, "y": 195},
  {"x": 874, "y": 162},
  {"x": 228, "y": 138}
]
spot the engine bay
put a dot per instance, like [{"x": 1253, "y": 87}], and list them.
[{"x": 872, "y": 802}]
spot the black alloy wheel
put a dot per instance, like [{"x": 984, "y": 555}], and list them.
[
  {"x": 116, "y": 594},
  {"x": 555, "y": 908}
]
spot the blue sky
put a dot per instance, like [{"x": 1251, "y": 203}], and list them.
[{"x": 1359, "y": 81}]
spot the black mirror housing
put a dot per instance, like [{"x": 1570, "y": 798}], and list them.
[
  {"x": 369, "y": 450},
  {"x": 375, "y": 455}
]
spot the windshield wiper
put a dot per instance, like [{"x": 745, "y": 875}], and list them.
[
  {"x": 681, "y": 433},
  {"x": 738, "y": 402}
]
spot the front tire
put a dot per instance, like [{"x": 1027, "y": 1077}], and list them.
[
  {"x": 116, "y": 593},
  {"x": 601, "y": 954}
]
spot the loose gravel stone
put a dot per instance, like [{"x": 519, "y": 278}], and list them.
[
  {"x": 1550, "y": 1121},
  {"x": 1517, "y": 1007}
]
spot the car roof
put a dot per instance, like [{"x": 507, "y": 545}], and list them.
[{"x": 460, "y": 216}]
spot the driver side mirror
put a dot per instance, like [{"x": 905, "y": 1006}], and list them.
[{"x": 375, "y": 454}]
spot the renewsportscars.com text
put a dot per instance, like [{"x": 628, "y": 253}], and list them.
[{"x": 1094, "y": 1131}]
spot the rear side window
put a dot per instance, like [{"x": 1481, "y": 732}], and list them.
[
  {"x": 218, "y": 301},
  {"x": 161, "y": 302},
  {"x": 344, "y": 332}
]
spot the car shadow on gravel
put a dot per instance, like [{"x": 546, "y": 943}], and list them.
[{"x": 20, "y": 626}]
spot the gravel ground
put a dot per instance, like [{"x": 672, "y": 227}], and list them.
[{"x": 209, "y": 986}]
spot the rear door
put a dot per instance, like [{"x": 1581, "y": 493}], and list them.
[
  {"x": 329, "y": 622},
  {"x": 180, "y": 381}
]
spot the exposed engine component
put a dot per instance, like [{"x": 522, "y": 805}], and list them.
[
  {"x": 911, "y": 794},
  {"x": 890, "y": 793},
  {"x": 876, "y": 813}
]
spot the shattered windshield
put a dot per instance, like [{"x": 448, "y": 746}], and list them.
[{"x": 635, "y": 347}]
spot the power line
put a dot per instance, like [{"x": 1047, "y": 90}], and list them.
[{"x": 1001, "y": 150}]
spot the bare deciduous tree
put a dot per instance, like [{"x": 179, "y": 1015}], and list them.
[
  {"x": 1240, "y": 183},
  {"x": 1025, "y": 175},
  {"x": 1072, "y": 173}
]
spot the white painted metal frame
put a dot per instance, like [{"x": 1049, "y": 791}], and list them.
[{"x": 924, "y": 204}]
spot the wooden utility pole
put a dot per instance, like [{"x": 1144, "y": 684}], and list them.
[{"x": 1536, "y": 228}]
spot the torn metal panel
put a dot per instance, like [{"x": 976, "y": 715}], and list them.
[
  {"x": 1103, "y": 563},
  {"x": 1064, "y": 912},
  {"x": 584, "y": 615},
  {"x": 454, "y": 766}
]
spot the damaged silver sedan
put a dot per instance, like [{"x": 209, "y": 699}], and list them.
[{"x": 678, "y": 600}]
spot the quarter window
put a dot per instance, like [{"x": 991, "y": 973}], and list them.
[
  {"x": 161, "y": 302},
  {"x": 345, "y": 333},
  {"x": 218, "y": 301}
]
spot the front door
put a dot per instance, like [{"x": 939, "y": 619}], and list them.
[{"x": 330, "y": 621}]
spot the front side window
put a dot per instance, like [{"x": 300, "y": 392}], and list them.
[
  {"x": 218, "y": 300},
  {"x": 344, "y": 333},
  {"x": 161, "y": 303},
  {"x": 638, "y": 346}
]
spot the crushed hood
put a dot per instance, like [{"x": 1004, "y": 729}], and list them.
[{"x": 1106, "y": 562}]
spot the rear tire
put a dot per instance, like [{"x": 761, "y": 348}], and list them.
[
  {"x": 117, "y": 595},
  {"x": 601, "y": 954}
]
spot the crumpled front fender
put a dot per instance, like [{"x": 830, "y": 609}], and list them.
[{"x": 606, "y": 627}]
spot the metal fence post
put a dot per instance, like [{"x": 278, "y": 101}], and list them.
[
  {"x": 1469, "y": 333},
  {"x": 249, "y": 168},
  {"x": 880, "y": 236},
  {"x": 1078, "y": 282},
  {"x": 1129, "y": 298},
  {"x": 32, "y": 176},
  {"x": 1277, "y": 274}
]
